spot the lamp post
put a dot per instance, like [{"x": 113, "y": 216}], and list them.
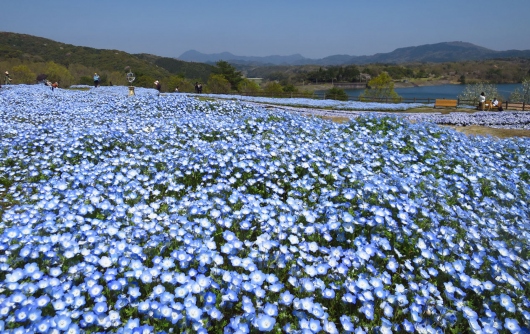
[{"x": 130, "y": 78}]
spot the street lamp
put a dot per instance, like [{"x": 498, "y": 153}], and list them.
[{"x": 130, "y": 78}]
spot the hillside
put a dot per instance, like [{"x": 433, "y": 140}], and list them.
[{"x": 37, "y": 49}]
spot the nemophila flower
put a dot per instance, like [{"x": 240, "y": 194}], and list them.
[
  {"x": 512, "y": 325},
  {"x": 286, "y": 298},
  {"x": 193, "y": 313},
  {"x": 265, "y": 323},
  {"x": 100, "y": 308},
  {"x": 507, "y": 303},
  {"x": 134, "y": 291}
]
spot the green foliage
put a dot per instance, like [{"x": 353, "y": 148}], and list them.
[
  {"x": 145, "y": 80},
  {"x": 36, "y": 53},
  {"x": 229, "y": 72},
  {"x": 521, "y": 94},
  {"x": 471, "y": 92},
  {"x": 184, "y": 69},
  {"x": 380, "y": 88},
  {"x": 273, "y": 88},
  {"x": 336, "y": 94},
  {"x": 183, "y": 85},
  {"x": 290, "y": 88},
  {"x": 23, "y": 74},
  {"x": 60, "y": 74},
  {"x": 218, "y": 84},
  {"x": 248, "y": 86},
  {"x": 399, "y": 72}
]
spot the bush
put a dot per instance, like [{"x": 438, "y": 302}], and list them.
[
  {"x": 521, "y": 95},
  {"x": 217, "y": 84},
  {"x": 336, "y": 94},
  {"x": 381, "y": 89}
]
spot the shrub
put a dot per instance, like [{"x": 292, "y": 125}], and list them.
[{"x": 336, "y": 94}]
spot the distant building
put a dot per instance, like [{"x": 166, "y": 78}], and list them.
[{"x": 256, "y": 80}]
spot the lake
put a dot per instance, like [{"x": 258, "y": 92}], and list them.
[{"x": 437, "y": 92}]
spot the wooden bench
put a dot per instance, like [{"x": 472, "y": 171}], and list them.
[
  {"x": 489, "y": 106},
  {"x": 445, "y": 103}
]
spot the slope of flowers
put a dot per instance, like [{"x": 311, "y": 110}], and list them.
[
  {"x": 172, "y": 214},
  {"x": 506, "y": 120},
  {"x": 335, "y": 104}
]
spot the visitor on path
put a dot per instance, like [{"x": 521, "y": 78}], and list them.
[
  {"x": 177, "y": 89},
  {"x": 200, "y": 88},
  {"x": 196, "y": 87},
  {"x": 55, "y": 85},
  {"x": 158, "y": 87},
  {"x": 96, "y": 80},
  {"x": 481, "y": 101},
  {"x": 7, "y": 79}
]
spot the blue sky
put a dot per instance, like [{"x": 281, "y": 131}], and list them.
[{"x": 314, "y": 29}]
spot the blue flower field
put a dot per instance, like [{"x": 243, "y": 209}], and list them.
[{"x": 185, "y": 214}]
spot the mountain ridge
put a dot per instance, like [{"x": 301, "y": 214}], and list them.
[{"x": 434, "y": 53}]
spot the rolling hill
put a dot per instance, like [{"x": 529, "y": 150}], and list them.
[
  {"x": 429, "y": 53},
  {"x": 38, "y": 49}
]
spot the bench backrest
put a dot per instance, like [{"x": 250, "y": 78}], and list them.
[{"x": 443, "y": 102}]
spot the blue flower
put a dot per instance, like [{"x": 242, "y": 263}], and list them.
[
  {"x": 265, "y": 323},
  {"x": 512, "y": 325}
]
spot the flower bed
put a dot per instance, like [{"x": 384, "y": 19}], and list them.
[{"x": 173, "y": 214}]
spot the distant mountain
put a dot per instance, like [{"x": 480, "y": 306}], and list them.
[
  {"x": 433, "y": 53},
  {"x": 196, "y": 56}
]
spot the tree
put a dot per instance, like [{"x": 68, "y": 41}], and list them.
[
  {"x": 289, "y": 88},
  {"x": 472, "y": 92},
  {"x": 336, "y": 94},
  {"x": 381, "y": 89},
  {"x": 59, "y": 73},
  {"x": 23, "y": 74},
  {"x": 350, "y": 73},
  {"x": 229, "y": 72},
  {"x": 521, "y": 94},
  {"x": 248, "y": 86},
  {"x": 218, "y": 84},
  {"x": 273, "y": 88},
  {"x": 178, "y": 81}
]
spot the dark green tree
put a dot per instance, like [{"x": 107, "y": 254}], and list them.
[
  {"x": 336, "y": 94},
  {"x": 229, "y": 72}
]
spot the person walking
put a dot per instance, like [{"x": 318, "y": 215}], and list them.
[
  {"x": 96, "y": 80},
  {"x": 55, "y": 85},
  {"x": 7, "y": 79}
]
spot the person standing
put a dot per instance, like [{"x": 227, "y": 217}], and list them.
[
  {"x": 55, "y": 85},
  {"x": 96, "y": 80},
  {"x": 158, "y": 87},
  {"x": 7, "y": 79},
  {"x": 481, "y": 101}
]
